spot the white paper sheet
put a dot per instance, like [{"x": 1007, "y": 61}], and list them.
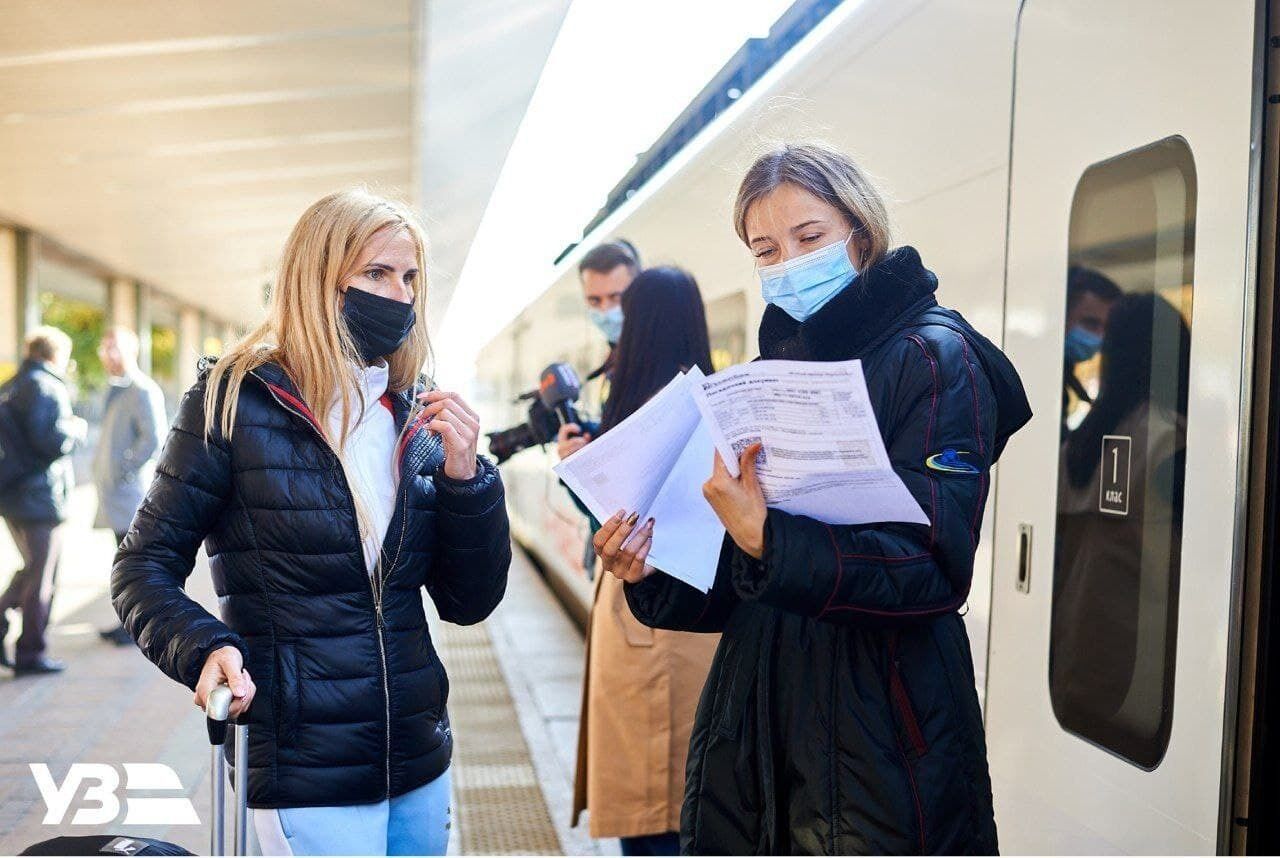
[
  {"x": 823, "y": 456},
  {"x": 655, "y": 463}
]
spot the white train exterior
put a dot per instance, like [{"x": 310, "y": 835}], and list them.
[{"x": 981, "y": 119}]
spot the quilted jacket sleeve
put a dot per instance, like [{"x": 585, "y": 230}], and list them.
[
  {"x": 191, "y": 488},
  {"x": 894, "y": 572},
  {"x": 469, "y": 576},
  {"x": 664, "y": 602}
]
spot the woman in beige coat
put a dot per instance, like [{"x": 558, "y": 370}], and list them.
[{"x": 642, "y": 685}]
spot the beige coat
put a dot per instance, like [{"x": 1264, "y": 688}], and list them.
[{"x": 639, "y": 696}]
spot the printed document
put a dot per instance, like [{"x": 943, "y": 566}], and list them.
[
  {"x": 655, "y": 463},
  {"x": 823, "y": 457}
]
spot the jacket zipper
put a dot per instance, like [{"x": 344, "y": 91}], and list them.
[
  {"x": 902, "y": 702},
  {"x": 375, "y": 590},
  {"x": 404, "y": 503}
]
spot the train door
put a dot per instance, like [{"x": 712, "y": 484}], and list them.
[{"x": 1116, "y": 508}]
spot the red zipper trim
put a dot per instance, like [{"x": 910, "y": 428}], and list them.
[
  {"x": 298, "y": 404},
  {"x": 903, "y": 701},
  {"x": 899, "y": 692},
  {"x": 915, "y": 796}
]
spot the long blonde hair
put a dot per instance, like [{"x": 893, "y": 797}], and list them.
[
  {"x": 828, "y": 174},
  {"x": 304, "y": 331}
]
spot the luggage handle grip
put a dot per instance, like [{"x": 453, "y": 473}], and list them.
[
  {"x": 217, "y": 709},
  {"x": 217, "y": 716}
]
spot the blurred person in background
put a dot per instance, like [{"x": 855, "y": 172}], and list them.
[
  {"x": 40, "y": 430},
  {"x": 642, "y": 684},
  {"x": 133, "y": 423},
  {"x": 329, "y": 491},
  {"x": 842, "y": 715},
  {"x": 605, "y": 273}
]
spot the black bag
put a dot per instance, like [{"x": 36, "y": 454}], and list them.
[{"x": 103, "y": 844}]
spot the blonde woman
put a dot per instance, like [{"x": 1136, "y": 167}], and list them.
[
  {"x": 328, "y": 489},
  {"x": 841, "y": 715}
]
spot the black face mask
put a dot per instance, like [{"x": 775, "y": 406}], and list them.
[{"x": 378, "y": 325}]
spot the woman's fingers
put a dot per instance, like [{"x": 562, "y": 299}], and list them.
[
  {"x": 447, "y": 431},
  {"x": 614, "y": 544},
  {"x": 634, "y": 555},
  {"x": 241, "y": 705},
  {"x": 434, "y": 396},
  {"x": 606, "y": 531},
  {"x": 448, "y": 406},
  {"x": 466, "y": 431}
]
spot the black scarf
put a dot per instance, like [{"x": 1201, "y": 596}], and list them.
[{"x": 875, "y": 305}]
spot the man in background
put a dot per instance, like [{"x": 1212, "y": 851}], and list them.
[
  {"x": 34, "y": 502},
  {"x": 133, "y": 424},
  {"x": 605, "y": 273}
]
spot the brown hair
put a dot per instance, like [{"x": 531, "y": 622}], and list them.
[
  {"x": 48, "y": 343},
  {"x": 829, "y": 175},
  {"x": 603, "y": 258}
]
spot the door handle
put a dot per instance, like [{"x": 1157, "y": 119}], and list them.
[{"x": 1024, "y": 558}]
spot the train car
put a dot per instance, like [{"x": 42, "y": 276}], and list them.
[{"x": 1125, "y": 696}]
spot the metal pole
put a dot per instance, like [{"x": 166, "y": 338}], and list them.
[
  {"x": 218, "y": 826},
  {"x": 241, "y": 788},
  {"x": 216, "y": 710}
]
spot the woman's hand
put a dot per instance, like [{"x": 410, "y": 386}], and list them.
[
  {"x": 226, "y": 665},
  {"x": 459, "y": 427},
  {"x": 739, "y": 502},
  {"x": 624, "y": 562},
  {"x": 570, "y": 439}
]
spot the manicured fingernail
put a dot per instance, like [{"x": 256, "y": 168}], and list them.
[
  {"x": 649, "y": 524},
  {"x": 620, "y": 513},
  {"x": 633, "y": 518}
]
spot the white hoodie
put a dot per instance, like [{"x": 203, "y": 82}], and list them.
[{"x": 369, "y": 456}]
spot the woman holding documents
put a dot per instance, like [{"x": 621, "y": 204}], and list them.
[
  {"x": 641, "y": 685},
  {"x": 329, "y": 490},
  {"x": 840, "y": 715}
]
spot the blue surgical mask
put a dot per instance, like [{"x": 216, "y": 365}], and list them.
[
  {"x": 802, "y": 285},
  {"x": 1082, "y": 344},
  {"x": 608, "y": 321}
]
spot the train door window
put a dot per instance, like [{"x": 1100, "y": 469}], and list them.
[{"x": 1127, "y": 326}]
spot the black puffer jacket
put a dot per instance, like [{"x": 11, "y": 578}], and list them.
[
  {"x": 840, "y": 715},
  {"x": 350, "y": 705},
  {"x": 42, "y": 408}
]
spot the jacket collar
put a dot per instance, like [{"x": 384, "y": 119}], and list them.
[
  {"x": 876, "y": 304},
  {"x": 416, "y": 447},
  {"x": 31, "y": 365}
]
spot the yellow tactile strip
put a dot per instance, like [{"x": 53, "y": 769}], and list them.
[{"x": 499, "y": 807}]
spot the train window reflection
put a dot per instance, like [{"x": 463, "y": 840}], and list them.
[{"x": 1127, "y": 325}]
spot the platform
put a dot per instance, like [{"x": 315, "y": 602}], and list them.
[{"x": 515, "y": 683}]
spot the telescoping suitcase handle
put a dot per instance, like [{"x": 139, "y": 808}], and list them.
[{"x": 217, "y": 709}]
